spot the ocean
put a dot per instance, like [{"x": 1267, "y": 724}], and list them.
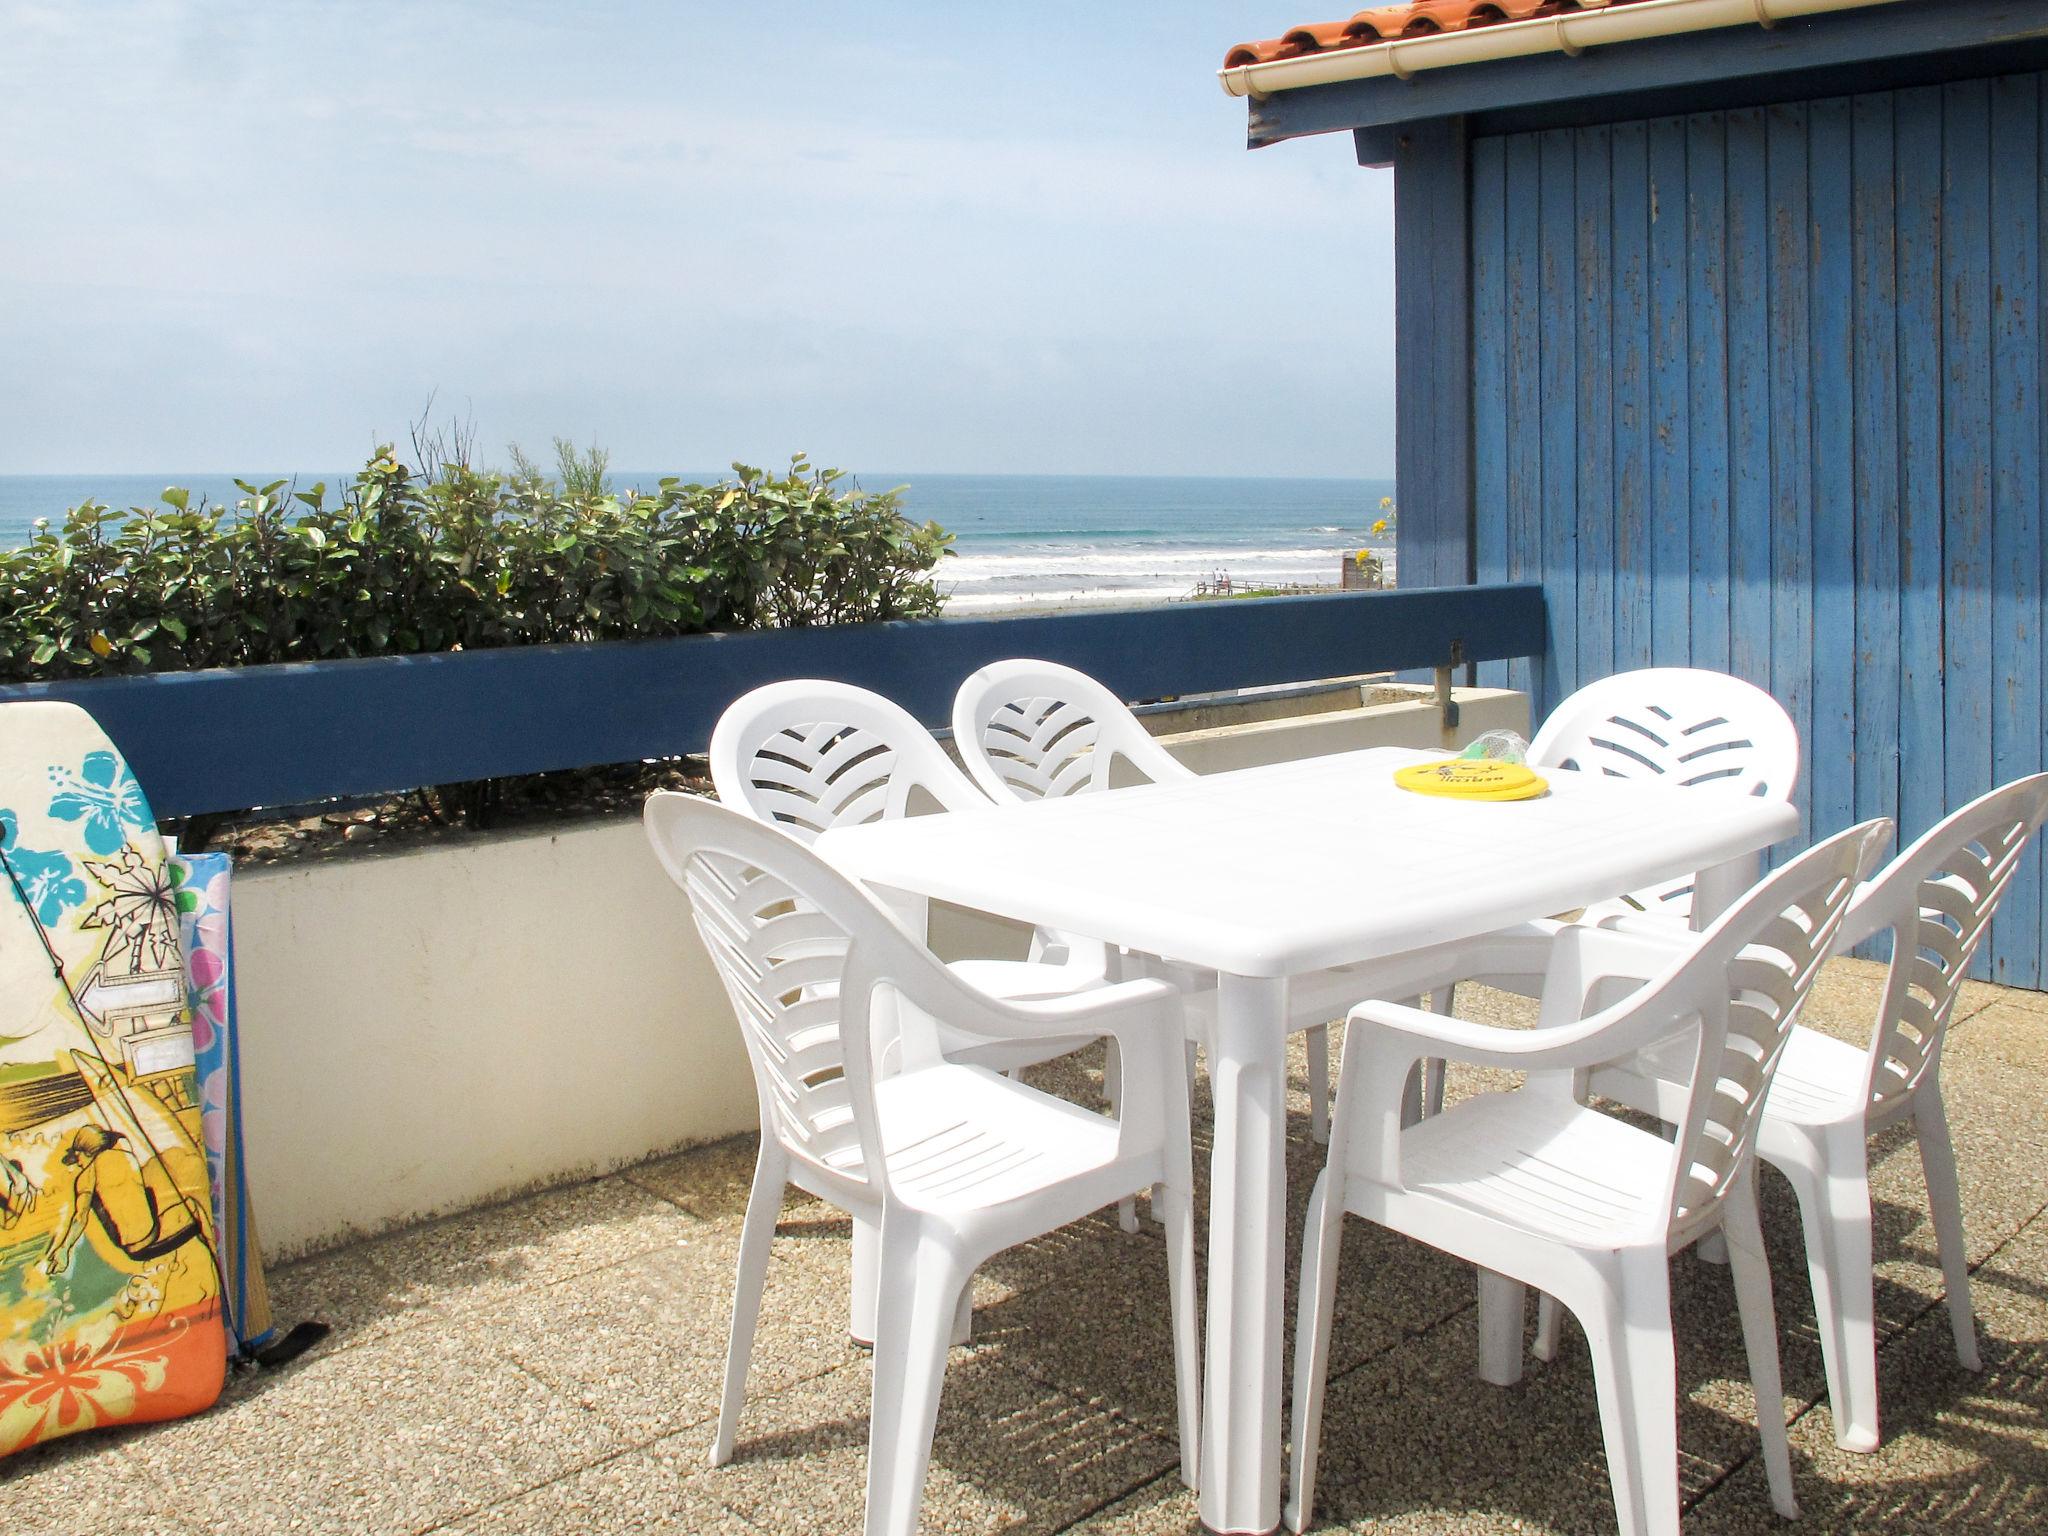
[{"x": 1021, "y": 541}]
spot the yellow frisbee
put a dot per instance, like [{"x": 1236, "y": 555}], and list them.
[{"x": 1464, "y": 778}]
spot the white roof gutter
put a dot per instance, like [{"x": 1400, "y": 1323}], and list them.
[{"x": 1571, "y": 33}]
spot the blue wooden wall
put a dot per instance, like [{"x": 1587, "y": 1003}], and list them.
[{"x": 1762, "y": 390}]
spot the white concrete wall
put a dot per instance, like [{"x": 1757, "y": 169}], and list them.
[
  {"x": 423, "y": 1031},
  {"x": 428, "y": 1030}
]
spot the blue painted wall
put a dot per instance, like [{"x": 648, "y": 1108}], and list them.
[{"x": 1762, "y": 390}]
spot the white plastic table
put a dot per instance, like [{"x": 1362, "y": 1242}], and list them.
[{"x": 1278, "y": 871}]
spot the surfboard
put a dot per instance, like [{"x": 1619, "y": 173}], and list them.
[{"x": 110, "y": 1293}]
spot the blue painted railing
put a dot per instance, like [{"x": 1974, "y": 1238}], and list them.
[{"x": 286, "y": 735}]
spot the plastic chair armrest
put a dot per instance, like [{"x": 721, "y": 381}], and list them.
[{"x": 1614, "y": 1031}]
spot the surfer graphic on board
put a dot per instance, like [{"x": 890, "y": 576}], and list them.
[{"x": 139, "y": 1206}]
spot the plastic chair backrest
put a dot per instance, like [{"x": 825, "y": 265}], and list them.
[
  {"x": 809, "y": 755},
  {"x": 1683, "y": 725},
  {"x": 802, "y": 952},
  {"x": 1769, "y": 947},
  {"x": 1937, "y": 898},
  {"x": 1036, "y": 730}
]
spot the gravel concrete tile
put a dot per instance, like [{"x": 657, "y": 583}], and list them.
[
  {"x": 393, "y": 1436},
  {"x": 1961, "y": 1452},
  {"x": 1163, "y": 1507},
  {"x": 442, "y": 1270},
  {"x": 658, "y": 1490},
  {"x": 347, "y": 1289},
  {"x": 642, "y": 1344},
  {"x": 1103, "y": 1335},
  {"x": 472, "y": 1261},
  {"x": 84, "y": 1487},
  {"x": 1009, "y": 1455},
  {"x": 1416, "y": 1430},
  {"x": 2009, "y": 1293},
  {"x": 1979, "y": 995},
  {"x": 1845, "y": 999},
  {"x": 711, "y": 1182},
  {"x": 1075, "y": 1077},
  {"x": 821, "y": 1238}
]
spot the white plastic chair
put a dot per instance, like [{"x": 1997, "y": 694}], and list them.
[
  {"x": 1537, "y": 1189},
  {"x": 1937, "y": 900},
  {"x": 808, "y": 755},
  {"x": 952, "y": 1163},
  {"x": 1685, "y": 726},
  {"x": 1037, "y": 730}
]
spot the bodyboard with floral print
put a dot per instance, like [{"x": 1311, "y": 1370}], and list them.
[
  {"x": 109, "y": 1286},
  {"x": 203, "y": 882}
]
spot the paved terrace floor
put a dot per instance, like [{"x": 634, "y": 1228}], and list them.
[{"x": 551, "y": 1365}]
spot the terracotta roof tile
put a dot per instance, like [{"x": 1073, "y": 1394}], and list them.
[{"x": 1413, "y": 18}]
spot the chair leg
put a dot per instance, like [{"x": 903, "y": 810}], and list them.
[
  {"x": 1318, "y": 1041},
  {"x": 1548, "y": 1317},
  {"x": 1751, "y": 1271},
  {"x": 1113, "y": 1091},
  {"x": 757, "y": 1235},
  {"x": 1938, "y": 1160},
  {"x": 1635, "y": 1372},
  {"x": 867, "y": 1264},
  {"x": 1322, "y": 1241},
  {"x": 1176, "y": 1213},
  {"x": 920, "y": 1292},
  {"x": 1503, "y": 1305},
  {"x": 1441, "y": 1002},
  {"x": 1829, "y": 1176}
]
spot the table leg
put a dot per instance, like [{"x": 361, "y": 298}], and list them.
[
  {"x": 1717, "y": 889},
  {"x": 1247, "y": 1244}
]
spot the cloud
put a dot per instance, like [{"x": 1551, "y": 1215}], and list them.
[{"x": 695, "y": 230}]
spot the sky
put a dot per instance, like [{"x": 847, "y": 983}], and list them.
[{"x": 966, "y": 238}]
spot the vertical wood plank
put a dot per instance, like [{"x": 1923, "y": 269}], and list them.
[
  {"x": 1749, "y": 399},
  {"x": 1706, "y": 176},
  {"x": 1670, "y": 415},
  {"x": 1832, "y": 746},
  {"x": 2016, "y": 424},
  {"x": 1922, "y": 782},
  {"x": 1873, "y": 216},
  {"x": 1524, "y": 375},
  {"x": 1489, "y": 373},
  {"x": 1432, "y": 297},
  {"x": 1594, "y": 209},
  {"x": 1632, "y": 556},
  {"x": 1792, "y": 641},
  {"x": 1559, "y": 405},
  {"x": 1966, "y": 441},
  {"x": 2041, "y": 458}
]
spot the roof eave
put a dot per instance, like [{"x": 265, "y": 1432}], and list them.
[
  {"x": 1572, "y": 33},
  {"x": 1900, "y": 32}
]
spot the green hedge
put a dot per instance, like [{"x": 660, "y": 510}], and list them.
[{"x": 399, "y": 562}]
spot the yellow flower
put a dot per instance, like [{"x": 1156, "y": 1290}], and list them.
[
  {"x": 1386, "y": 503},
  {"x": 1380, "y": 526}
]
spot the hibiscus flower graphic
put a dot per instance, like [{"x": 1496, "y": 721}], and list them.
[
  {"x": 49, "y": 880},
  {"x": 103, "y": 794}
]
